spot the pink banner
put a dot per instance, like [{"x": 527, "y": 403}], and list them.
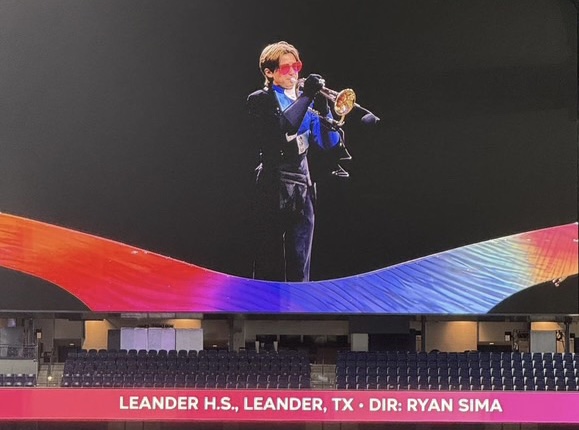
[{"x": 39, "y": 404}]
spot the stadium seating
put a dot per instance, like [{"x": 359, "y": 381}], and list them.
[
  {"x": 18, "y": 380},
  {"x": 504, "y": 371},
  {"x": 186, "y": 369}
]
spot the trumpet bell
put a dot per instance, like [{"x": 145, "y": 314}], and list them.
[{"x": 344, "y": 102}]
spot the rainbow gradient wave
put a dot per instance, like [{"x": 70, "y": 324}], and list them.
[{"x": 109, "y": 276}]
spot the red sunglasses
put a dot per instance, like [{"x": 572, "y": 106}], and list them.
[{"x": 286, "y": 68}]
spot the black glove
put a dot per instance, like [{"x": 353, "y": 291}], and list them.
[
  {"x": 321, "y": 104},
  {"x": 312, "y": 85}
]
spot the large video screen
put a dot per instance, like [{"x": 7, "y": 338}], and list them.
[{"x": 174, "y": 156}]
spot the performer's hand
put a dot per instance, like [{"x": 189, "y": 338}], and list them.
[
  {"x": 321, "y": 104},
  {"x": 312, "y": 85}
]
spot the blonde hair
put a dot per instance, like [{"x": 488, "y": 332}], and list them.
[{"x": 269, "y": 58}]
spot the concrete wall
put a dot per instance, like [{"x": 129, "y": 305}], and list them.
[
  {"x": 495, "y": 331},
  {"x": 451, "y": 335},
  {"x": 96, "y": 334},
  {"x": 216, "y": 332}
]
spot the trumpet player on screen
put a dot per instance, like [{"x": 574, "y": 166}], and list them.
[{"x": 286, "y": 127}]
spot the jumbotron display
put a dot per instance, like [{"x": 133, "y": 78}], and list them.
[{"x": 416, "y": 158}]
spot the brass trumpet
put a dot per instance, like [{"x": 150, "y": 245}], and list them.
[{"x": 343, "y": 101}]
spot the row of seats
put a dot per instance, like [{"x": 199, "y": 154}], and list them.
[
  {"x": 184, "y": 369},
  {"x": 458, "y": 371},
  {"x": 106, "y": 367},
  {"x": 450, "y": 383},
  {"x": 467, "y": 355},
  {"x": 266, "y": 357},
  {"x": 191, "y": 358},
  {"x": 17, "y": 380},
  {"x": 458, "y": 363},
  {"x": 548, "y": 365},
  {"x": 186, "y": 362},
  {"x": 187, "y": 381},
  {"x": 211, "y": 353}
]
